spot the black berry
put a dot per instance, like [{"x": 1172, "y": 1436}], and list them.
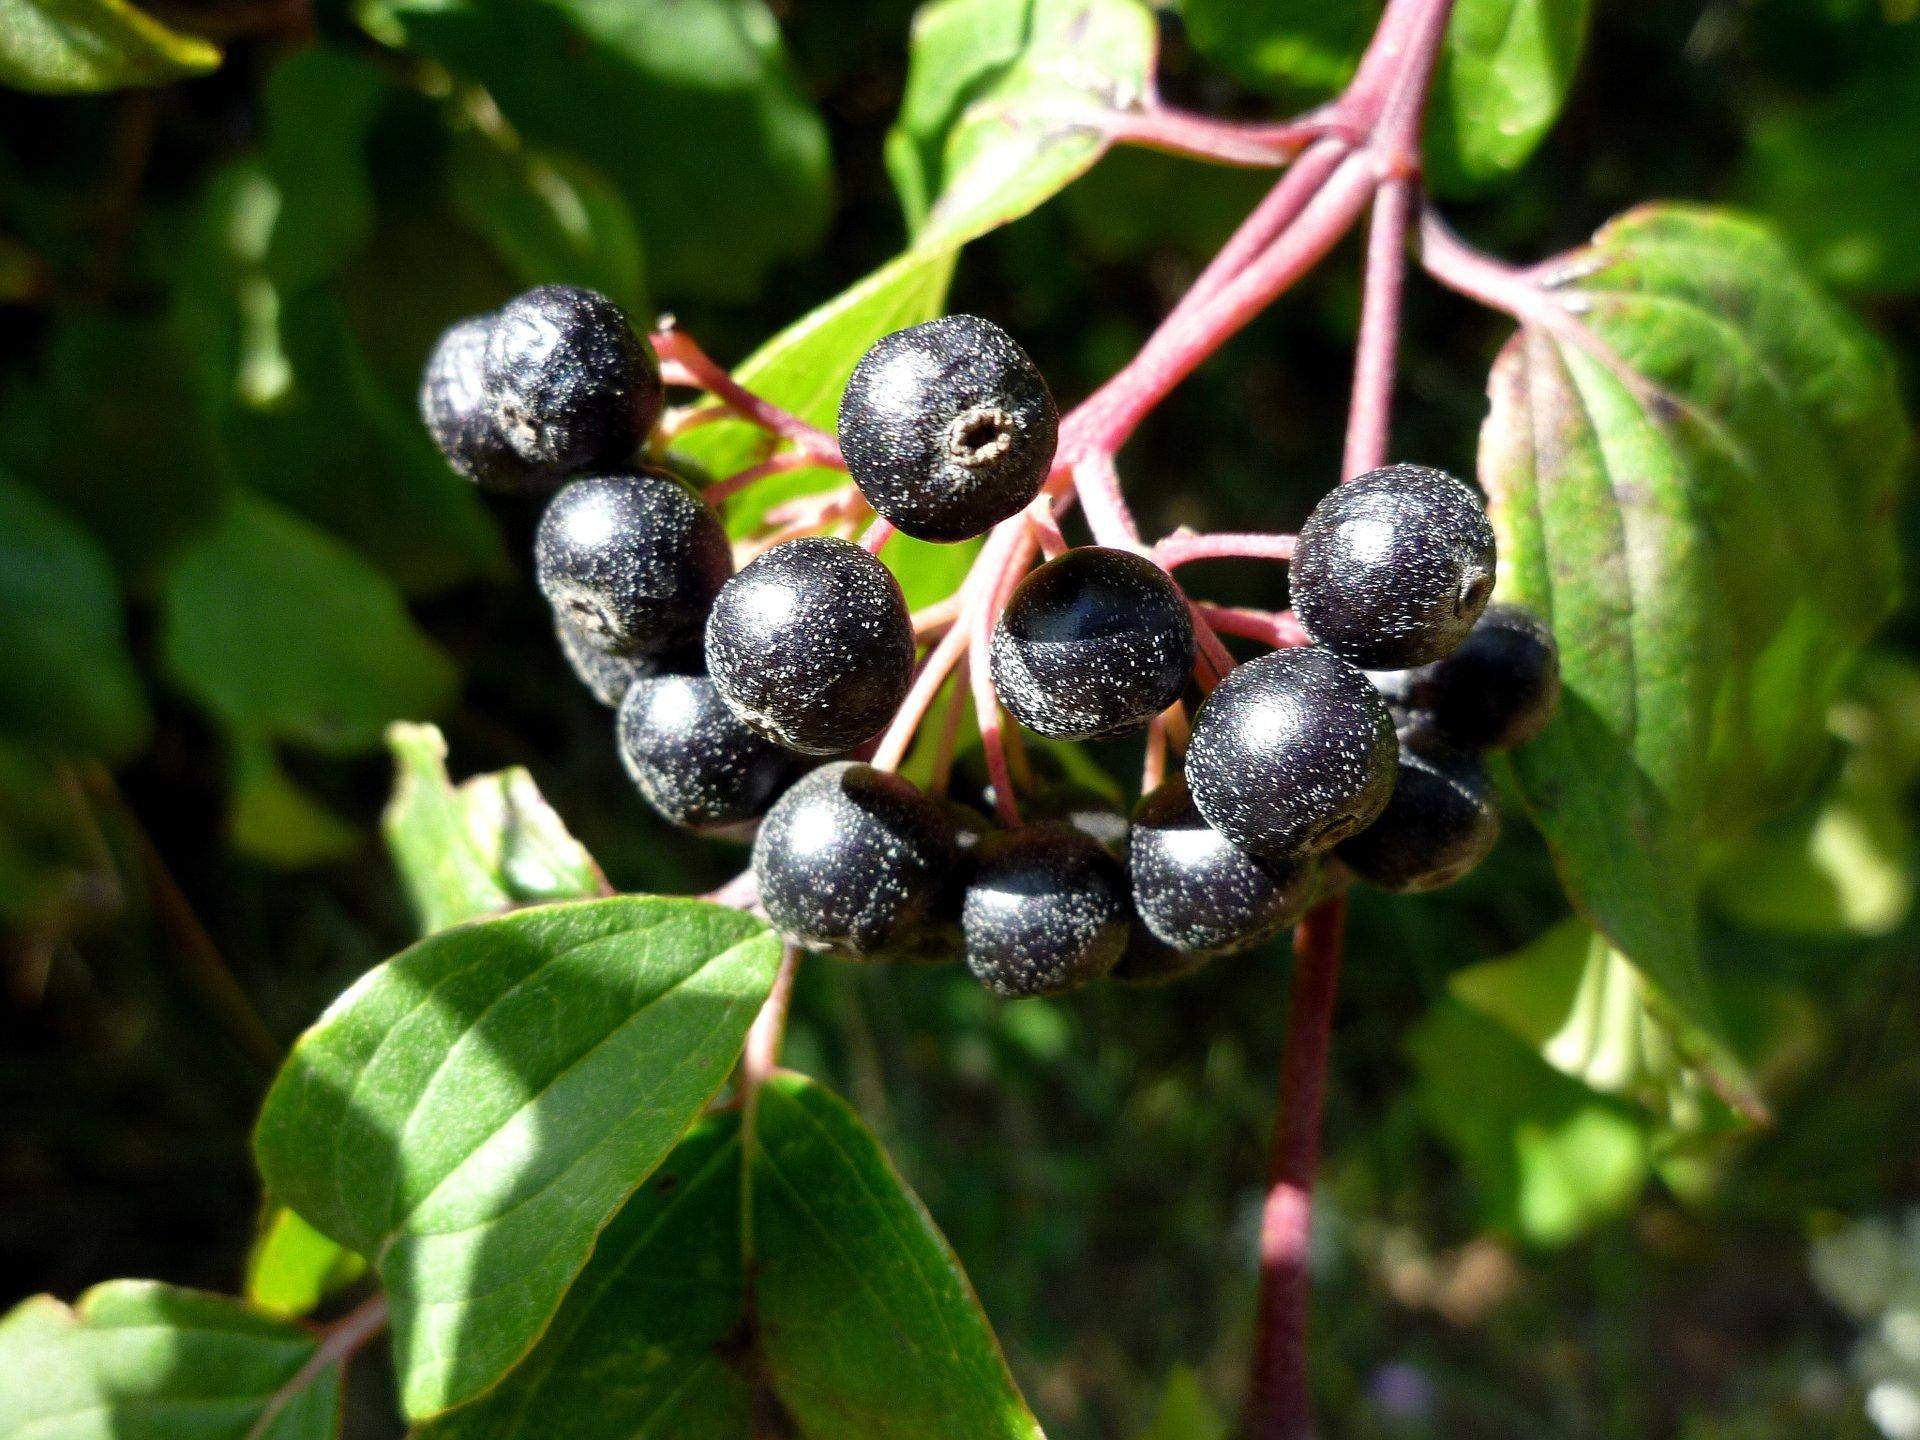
[
  {"x": 691, "y": 758},
  {"x": 1439, "y": 824},
  {"x": 605, "y": 676},
  {"x": 1045, "y": 911},
  {"x": 1393, "y": 568},
  {"x": 454, "y": 405},
  {"x": 811, "y": 645},
  {"x": 1496, "y": 691},
  {"x": 1196, "y": 891},
  {"x": 856, "y": 860},
  {"x": 632, "y": 561},
  {"x": 948, "y": 428},
  {"x": 570, "y": 385},
  {"x": 1092, "y": 645},
  {"x": 1292, "y": 753}
]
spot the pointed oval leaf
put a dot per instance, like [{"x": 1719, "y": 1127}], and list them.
[
  {"x": 868, "y": 1327},
  {"x": 650, "y": 1340},
  {"x": 1699, "y": 498},
  {"x": 470, "y": 1114},
  {"x": 136, "y": 1360},
  {"x": 62, "y": 47},
  {"x": 293, "y": 1267}
]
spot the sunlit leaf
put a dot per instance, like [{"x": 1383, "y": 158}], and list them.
[{"x": 67, "y": 46}]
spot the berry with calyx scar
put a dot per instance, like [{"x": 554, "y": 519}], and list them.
[
  {"x": 812, "y": 645},
  {"x": 1092, "y": 645},
  {"x": 454, "y": 405},
  {"x": 1392, "y": 569},
  {"x": 570, "y": 385},
  {"x": 948, "y": 428},
  {"x": 1292, "y": 753},
  {"x": 632, "y": 561},
  {"x": 857, "y": 861},
  {"x": 1045, "y": 911}
]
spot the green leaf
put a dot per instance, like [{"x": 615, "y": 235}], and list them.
[
  {"x": 135, "y": 1360},
  {"x": 867, "y": 1325},
  {"x": 999, "y": 95},
  {"x": 1502, "y": 77},
  {"x": 649, "y": 1341},
  {"x": 688, "y": 106},
  {"x": 552, "y": 218},
  {"x": 472, "y": 1113},
  {"x": 273, "y": 819},
  {"x": 1838, "y": 176},
  {"x": 69, "y": 685},
  {"x": 488, "y": 845},
  {"x": 61, "y": 47},
  {"x": 293, "y": 1267},
  {"x": 1297, "y": 49},
  {"x": 1702, "y": 509},
  {"x": 282, "y": 633},
  {"x": 1549, "y": 1158}
]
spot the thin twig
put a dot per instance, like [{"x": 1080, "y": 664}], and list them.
[
  {"x": 341, "y": 1341},
  {"x": 683, "y": 360},
  {"x": 761, "y": 1056},
  {"x": 1278, "y": 628},
  {"x": 1370, "y": 415},
  {"x": 1184, "y": 546}
]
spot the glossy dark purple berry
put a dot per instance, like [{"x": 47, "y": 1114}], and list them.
[
  {"x": 948, "y": 428},
  {"x": 1292, "y": 753},
  {"x": 1392, "y": 569},
  {"x": 571, "y": 386},
  {"x": 1198, "y": 892},
  {"x": 856, "y": 860},
  {"x": 811, "y": 645},
  {"x": 632, "y": 561},
  {"x": 1498, "y": 690},
  {"x": 1092, "y": 645},
  {"x": 454, "y": 405},
  {"x": 605, "y": 676},
  {"x": 693, "y": 760},
  {"x": 1440, "y": 823},
  {"x": 1045, "y": 911}
]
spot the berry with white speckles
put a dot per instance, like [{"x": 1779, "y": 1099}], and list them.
[
  {"x": 948, "y": 428},
  {"x": 631, "y": 561},
  {"x": 1292, "y": 753},
  {"x": 1045, "y": 911},
  {"x": 693, "y": 760},
  {"x": 1392, "y": 569},
  {"x": 857, "y": 861},
  {"x": 569, "y": 384},
  {"x": 812, "y": 645},
  {"x": 454, "y": 405},
  {"x": 1197, "y": 891},
  {"x": 1439, "y": 823},
  {"x": 1092, "y": 645},
  {"x": 1498, "y": 690}
]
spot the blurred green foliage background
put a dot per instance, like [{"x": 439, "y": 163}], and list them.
[{"x": 229, "y": 558}]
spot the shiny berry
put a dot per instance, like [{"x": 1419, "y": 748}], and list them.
[
  {"x": 453, "y": 403},
  {"x": 1292, "y": 753},
  {"x": 1198, "y": 892},
  {"x": 1092, "y": 645},
  {"x": 570, "y": 385},
  {"x": 1498, "y": 690},
  {"x": 811, "y": 645},
  {"x": 948, "y": 428},
  {"x": 1045, "y": 911},
  {"x": 856, "y": 860},
  {"x": 632, "y": 561},
  {"x": 1439, "y": 824},
  {"x": 1393, "y": 568},
  {"x": 691, "y": 758}
]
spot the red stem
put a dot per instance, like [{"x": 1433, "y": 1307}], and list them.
[
  {"x": 1279, "y": 1403},
  {"x": 1228, "y": 142},
  {"x": 1184, "y": 546},
  {"x": 1370, "y": 417},
  {"x": 677, "y": 349}
]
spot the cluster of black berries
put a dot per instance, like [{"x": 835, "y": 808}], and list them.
[{"x": 733, "y": 688}]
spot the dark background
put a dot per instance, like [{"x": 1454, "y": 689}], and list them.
[{"x": 1096, "y": 1161}]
